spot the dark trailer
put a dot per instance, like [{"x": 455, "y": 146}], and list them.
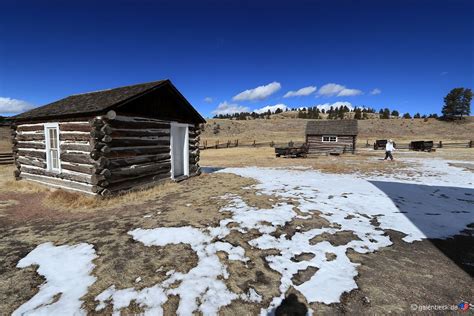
[
  {"x": 109, "y": 141},
  {"x": 422, "y": 145}
]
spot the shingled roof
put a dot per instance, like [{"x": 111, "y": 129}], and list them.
[
  {"x": 96, "y": 102},
  {"x": 332, "y": 127}
]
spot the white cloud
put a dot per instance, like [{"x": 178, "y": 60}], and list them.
[
  {"x": 349, "y": 92},
  {"x": 272, "y": 108},
  {"x": 334, "y": 89},
  {"x": 208, "y": 99},
  {"x": 229, "y": 108},
  {"x": 301, "y": 92},
  {"x": 258, "y": 93},
  {"x": 13, "y": 106},
  {"x": 375, "y": 91},
  {"x": 327, "y": 106}
]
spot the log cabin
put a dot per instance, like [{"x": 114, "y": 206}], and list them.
[
  {"x": 109, "y": 141},
  {"x": 331, "y": 136}
]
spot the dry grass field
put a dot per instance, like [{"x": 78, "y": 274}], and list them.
[
  {"x": 283, "y": 130},
  {"x": 366, "y": 160}
]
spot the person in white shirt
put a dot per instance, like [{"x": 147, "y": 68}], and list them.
[{"x": 388, "y": 149}]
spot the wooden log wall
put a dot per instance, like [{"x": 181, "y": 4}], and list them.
[
  {"x": 194, "y": 139},
  {"x": 136, "y": 151},
  {"x": 105, "y": 155},
  {"x": 344, "y": 143},
  {"x": 29, "y": 150}
]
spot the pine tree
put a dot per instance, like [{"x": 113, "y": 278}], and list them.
[
  {"x": 358, "y": 114},
  {"x": 407, "y": 116},
  {"x": 457, "y": 103},
  {"x": 465, "y": 108},
  {"x": 330, "y": 113},
  {"x": 395, "y": 113},
  {"x": 340, "y": 113}
]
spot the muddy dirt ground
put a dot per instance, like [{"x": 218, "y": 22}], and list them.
[{"x": 429, "y": 272}]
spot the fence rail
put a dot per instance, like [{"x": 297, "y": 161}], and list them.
[
  {"x": 6, "y": 158},
  {"x": 236, "y": 143}
]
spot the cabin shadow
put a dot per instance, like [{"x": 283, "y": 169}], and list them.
[{"x": 438, "y": 211}]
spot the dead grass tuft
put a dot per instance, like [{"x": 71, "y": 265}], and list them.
[
  {"x": 9, "y": 184},
  {"x": 66, "y": 200}
]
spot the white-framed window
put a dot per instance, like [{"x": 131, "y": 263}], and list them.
[
  {"x": 51, "y": 133},
  {"x": 329, "y": 139}
]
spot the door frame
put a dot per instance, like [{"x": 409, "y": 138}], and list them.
[{"x": 185, "y": 149}]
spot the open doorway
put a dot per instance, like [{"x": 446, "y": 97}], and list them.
[{"x": 179, "y": 150}]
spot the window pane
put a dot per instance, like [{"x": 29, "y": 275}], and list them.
[
  {"x": 53, "y": 138},
  {"x": 54, "y": 159},
  {"x": 52, "y": 133}
]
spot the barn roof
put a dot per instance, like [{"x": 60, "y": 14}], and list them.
[
  {"x": 92, "y": 103},
  {"x": 332, "y": 127}
]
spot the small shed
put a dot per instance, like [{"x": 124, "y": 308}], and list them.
[
  {"x": 109, "y": 141},
  {"x": 331, "y": 136}
]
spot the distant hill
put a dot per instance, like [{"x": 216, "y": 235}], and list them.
[{"x": 282, "y": 128}]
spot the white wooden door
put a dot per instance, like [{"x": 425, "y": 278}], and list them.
[{"x": 179, "y": 150}]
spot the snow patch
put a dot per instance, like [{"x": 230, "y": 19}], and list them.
[{"x": 67, "y": 271}]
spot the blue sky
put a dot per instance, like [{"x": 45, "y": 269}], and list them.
[{"x": 412, "y": 52}]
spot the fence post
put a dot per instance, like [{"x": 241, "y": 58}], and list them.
[
  {"x": 228, "y": 143},
  {"x": 367, "y": 144},
  {"x": 272, "y": 144},
  {"x": 470, "y": 144},
  {"x": 440, "y": 145},
  {"x": 254, "y": 145},
  {"x": 236, "y": 143},
  {"x": 217, "y": 144}
]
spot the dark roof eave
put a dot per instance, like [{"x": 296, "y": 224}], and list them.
[
  {"x": 201, "y": 119},
  {"x": 57, "y": 117},
  {"x": 198, "y": 117}
]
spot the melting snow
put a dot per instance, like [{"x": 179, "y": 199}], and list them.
[
  {"x": 203, "y": 283},
  {"x": 435, "y": 202},
  {"x": 430, "y": 200},
  {"x": 67, "y": 271}
]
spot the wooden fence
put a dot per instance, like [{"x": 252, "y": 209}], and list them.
[
  {"x": 6, "y": 158},
  {"x": 236, "y": 143}
]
